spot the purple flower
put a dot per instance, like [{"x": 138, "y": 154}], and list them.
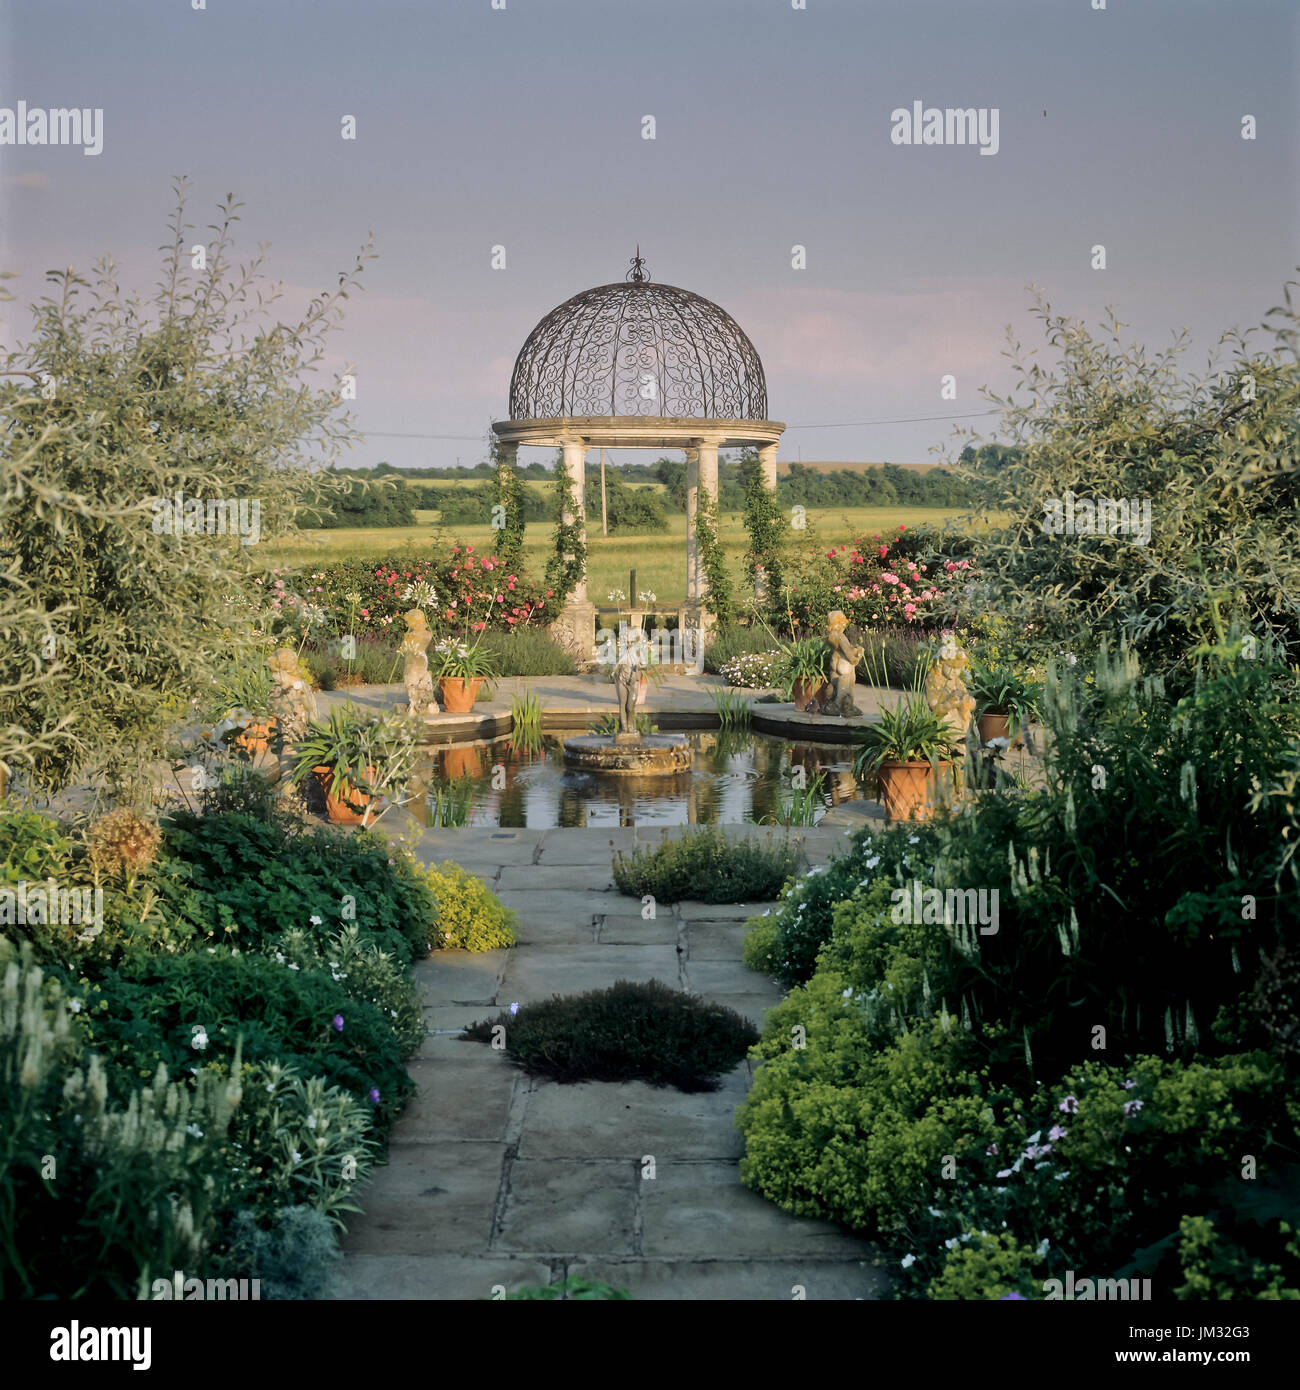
[
  {"x": 1131, "y": 1107},
  {"x": 1013, "y": 1297},
  {"x": 374, "y": 1095},
  {"x": 1128, "y": 1085},
  {"x": 1070, "y": 1105},
  {"x": 1056, "y": 1132},
  {"x": 338, "y": 1023},
  {"x": 514, "y": 1008},
  {"x": 1006, "y": 1172},
  {"x": 992, "y": 1149}
]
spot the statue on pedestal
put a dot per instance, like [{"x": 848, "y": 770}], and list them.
[
  {"x": 945, "y": 688},
  {"x": 418, "y": 681},
  {"x": 844, "y": 667},
  {"x": 627, "y": 683},
  {"x": 291, "y": 702}
]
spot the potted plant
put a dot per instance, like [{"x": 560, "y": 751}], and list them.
[
  {"x": 460, "y": 670},
  {"x": 902, "y": 753},
  {"x": 1005, "y": 701},
  {"x": 804, "y": 670},
  {"x": 355, "y": 758},
  {"x": 240, "y": 708}
]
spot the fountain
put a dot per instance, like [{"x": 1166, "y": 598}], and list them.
[{"x": 629, "y": 752}]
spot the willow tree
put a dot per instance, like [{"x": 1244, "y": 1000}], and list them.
[{"x": 137, "y": 433}]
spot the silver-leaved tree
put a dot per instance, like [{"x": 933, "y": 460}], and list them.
[
  {"x": 1205, "y": 467},
  {"x": 150, "y": 448}
]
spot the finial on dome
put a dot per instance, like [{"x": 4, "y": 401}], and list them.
[{"x": 638, "y": 274}]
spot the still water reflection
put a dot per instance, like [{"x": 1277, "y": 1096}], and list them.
[{"x": 736, "y": 777}]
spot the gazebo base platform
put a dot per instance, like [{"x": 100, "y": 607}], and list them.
[{"x": 653, "y": 755}]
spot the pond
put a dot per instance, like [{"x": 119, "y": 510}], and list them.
[{"x": 737, "y": 776}]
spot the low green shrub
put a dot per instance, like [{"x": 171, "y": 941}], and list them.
[
  {"x": 257, "y": 879},
  {"x": 725, "y": 646},
  {"x": 575, "y": 1287},
  {"x": 187, "y": 1012},
  {"x": 376, "y": 662},
  {"x": 707, "y": 866},
  {"x": 630, "y": 1032},
  {"x": 295, "y": 1258},
  {"x": 527, "y": 651},
  {"x": 784, "y": 941},
  {"x": 468, "y": 915}
]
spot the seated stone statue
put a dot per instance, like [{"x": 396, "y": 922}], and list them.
[
  {"x": 945, "y": 688},
  {"x": 844, "y": 668},
  {"x": 418, "y": 681}
]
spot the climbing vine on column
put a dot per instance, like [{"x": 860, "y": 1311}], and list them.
[
  {"x": 510, "y": 497},
  {"x": 718, "y": 600},
  {"x": 766, "y": 523},
  {"x": 568, "y": 561}
]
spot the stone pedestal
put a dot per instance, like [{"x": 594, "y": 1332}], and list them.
[
  {"x": 575, "y": 629},
  {"x": 658, "y": 755}
]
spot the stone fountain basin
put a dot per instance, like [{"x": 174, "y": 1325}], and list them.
[{"x": 651, "y": 755}]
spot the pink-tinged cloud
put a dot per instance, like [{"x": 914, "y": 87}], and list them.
[{"x": 875, "y": 340}]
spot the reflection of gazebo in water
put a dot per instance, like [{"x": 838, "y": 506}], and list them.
[{"x": 637, "y": 365}]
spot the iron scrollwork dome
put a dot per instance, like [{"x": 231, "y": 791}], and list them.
[{"x": 638, "y": 348}]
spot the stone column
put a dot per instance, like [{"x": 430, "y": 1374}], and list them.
[
  {"x": 575, "y": 460},
  {"x": 692, "y": 544},
  {"x": 767, "y": 465},
  {"x": 767, "y": 461},
  {"x": 575, "y": 628},
  {"x": 708, "y": 485}
]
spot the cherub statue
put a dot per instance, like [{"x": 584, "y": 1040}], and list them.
[
  {"x": 945, "y": 688},
  {"x": 414, "y": 647},
  {"x": 627, "y": 682},
  {"x": 291, "y": 701},
  {"x": 844, "y": 667}
]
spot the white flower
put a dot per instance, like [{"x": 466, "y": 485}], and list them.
[
  {"x": 292, "y": 966},
  {"x": 913, "y": 839},
  {"x": 194, "y": 1131},
  {"x": 200, "y": 1040},
  {"x": 311, "y": 1121},
  {"x": 1043, "y": 1247},
  {"x": 75, "y": 1006},
  {"x": 297, "y": 1157},
  {"x": 315, "y": 921},
  {"x": 908, "y": 1261}
]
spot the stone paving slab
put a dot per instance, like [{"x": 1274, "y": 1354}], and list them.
[
  {"x": 717, "y": 977},
  {"x": 693, "y": 911},
  {"x": 541, "y": 971},
  {"x": 627, "y": 1121},
  {"x": 441, "y": 1277},
  {"x": 624, "y": 929},
  {"x": 564, "y": 1206},
  {"x": 700, "y": 1208},
  {"x": 429, "y": 1199},
  {"x": 544, "y": 905},
  {"x": 737, "y": 1279},
  {"x": 754, "y": 1003},
  {"x": 460, "y": 977},
  {"x": 459, "y": 1097},
  {"x": 715, "y": 941},
  {"x": 583, "y": 847},
  {"x": 544, "y": 878}
]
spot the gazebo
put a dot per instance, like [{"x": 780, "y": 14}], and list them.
[{"x": 640, "y": 365}]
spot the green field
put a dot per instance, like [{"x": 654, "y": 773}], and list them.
[{"x": 659, "y": 560}]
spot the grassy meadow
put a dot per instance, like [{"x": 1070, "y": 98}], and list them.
[{"x": 659, "y": 560}]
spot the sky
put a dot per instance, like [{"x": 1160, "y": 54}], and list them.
[{"x": 522, "y": 127}]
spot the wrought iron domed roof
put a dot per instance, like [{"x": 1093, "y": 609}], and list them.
[{"x": 638, "y": 348}]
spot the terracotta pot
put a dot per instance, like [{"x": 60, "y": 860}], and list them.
[
  {"x": 904, "y": 788},
  {"x": 255, "y": 736},
  {"x": 456, "y": 695},
  {"x": 804, "y": 692},
  {"x": 340, "y": 813},
  {"x": 994, "y": 726},
  {"x": 462, "y": 762}
]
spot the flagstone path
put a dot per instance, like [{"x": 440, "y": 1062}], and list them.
[{"x": 495, "y": 1178}]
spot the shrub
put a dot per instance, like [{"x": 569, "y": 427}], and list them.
[
  {"x": 575, "y": 1287},
  {"x": 988, "y": 1267},
  {"x": 468, "y": 915},
  {"x": 191, "y": 1011},
  {"x": 256, "y": 879},
  {"x": 376, "y": 662},
  {"x": 754, "y": 671},
  {"x": 726, "y": 646},
  {"x": 526, "y": 651},
  {"x": 134, "y": 1185},
  {"x": 785, "y": 944},
  {"x": 708, "y": 867},
  {"x": 630, "y": 1032},
  {"x": 294, "y": 1259}
]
